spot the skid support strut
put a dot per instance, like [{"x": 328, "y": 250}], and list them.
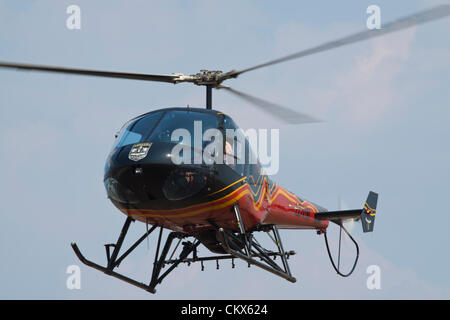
[
  {"x": 252, "y": 250},
  {"x": 156, "y": 278}
]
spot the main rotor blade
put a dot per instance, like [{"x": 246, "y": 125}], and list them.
[
  {"x": 284, "y": 114},
  {"x": 171, "y": 78},
  {"x": 434, "y": 13}
]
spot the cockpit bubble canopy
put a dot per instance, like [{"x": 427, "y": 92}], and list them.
[{"x": 158, "y": 126}]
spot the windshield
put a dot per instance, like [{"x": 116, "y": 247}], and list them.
[
  {"x": 158, "y": 126},
  {"x": 174, "y": 120},
  {"x": 136, "y": 130}
]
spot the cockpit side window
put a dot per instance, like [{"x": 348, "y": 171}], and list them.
[
  {"x": 234, "y": 146},
  {"x": 241, "y": 150}
]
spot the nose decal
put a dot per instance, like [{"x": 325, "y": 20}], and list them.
[{"x": 139, "y": 151}]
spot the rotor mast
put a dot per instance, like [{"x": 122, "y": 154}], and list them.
[
  {"x": 209, "y": 78},
  {"x": 209, "y": 97}
]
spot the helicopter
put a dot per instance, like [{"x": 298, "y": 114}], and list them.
[{"x": 220, "y": 202}]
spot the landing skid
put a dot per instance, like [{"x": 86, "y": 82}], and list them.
[
  {"x": 230, "y": 241},
  {"x": 159, "y": 263}
]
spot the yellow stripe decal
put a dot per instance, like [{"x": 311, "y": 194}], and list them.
[{"x": 227, "y": 186}]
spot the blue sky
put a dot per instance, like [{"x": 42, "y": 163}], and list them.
[{"x": 384, "y": 106}]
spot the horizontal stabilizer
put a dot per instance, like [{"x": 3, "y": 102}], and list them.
[{"x": 341, "y": 215}]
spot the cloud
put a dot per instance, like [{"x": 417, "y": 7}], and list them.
[{"x": 367, "y": 89}]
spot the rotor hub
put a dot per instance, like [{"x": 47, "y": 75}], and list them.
[{"x": 207, "y": 77}]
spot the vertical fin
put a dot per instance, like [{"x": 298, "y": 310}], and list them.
[{"x": 369, "y": 211}]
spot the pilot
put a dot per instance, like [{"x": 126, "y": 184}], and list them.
[{"x": 229, "y": 157}]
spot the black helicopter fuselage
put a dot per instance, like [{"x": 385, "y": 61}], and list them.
[{"x": 141, "y": 175}]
